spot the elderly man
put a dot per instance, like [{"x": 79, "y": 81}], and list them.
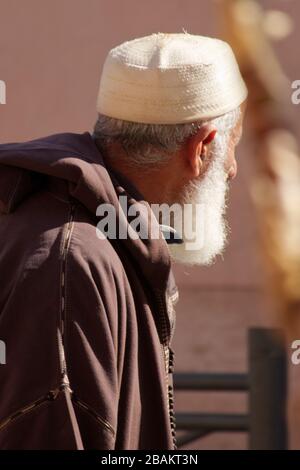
[{"x": 86, "y": 300}]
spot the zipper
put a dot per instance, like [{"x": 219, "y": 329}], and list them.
[
  {"x": 66, "y": 243},
  {"x": 65, "y": 383},
  {"x": 174, "y": 297},
  {"x": 94, "y": 414},
  {"x": 62, "y": 320},
  {"x": 50, "y": 396},
  {"x": 163, "y": 331}
]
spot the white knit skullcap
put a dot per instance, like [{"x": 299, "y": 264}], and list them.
[{"x": 170, "y": 79}]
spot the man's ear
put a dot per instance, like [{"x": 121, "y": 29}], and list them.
[{"x": 196, "y": 149}]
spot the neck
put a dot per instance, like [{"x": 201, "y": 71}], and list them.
[{"x": 153, "y": 183}]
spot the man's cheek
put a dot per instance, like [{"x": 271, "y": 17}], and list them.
[{"x": 233, "y": 170}]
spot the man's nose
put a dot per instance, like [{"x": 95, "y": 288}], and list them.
[{"x": 232, "y": 172}]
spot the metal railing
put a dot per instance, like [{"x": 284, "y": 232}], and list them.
[{"x": 266, "y": 384}]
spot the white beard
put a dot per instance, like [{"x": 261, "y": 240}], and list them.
[{"x": 207, "y": 225}]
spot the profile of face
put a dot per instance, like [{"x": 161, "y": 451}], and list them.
[{"x": 201, "y": 221}]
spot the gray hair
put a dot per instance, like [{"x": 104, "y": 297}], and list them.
[{"x": 151, "y": 144}]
